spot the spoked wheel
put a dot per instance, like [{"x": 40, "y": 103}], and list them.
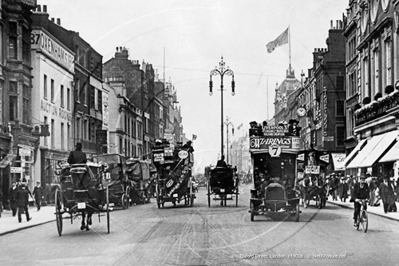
[
  {"x": 58, "y": 209},
  {"x": 192, "y": 200},
  {"x": 237, "y": 197},
  {"x": 209, "y": 194},
  {"x": 318, "y": 201},
  {"x": 107, "y": 199},
  {"x": 252, "y": 211},
  {"x": 124, "y": 200},
  {"x": 158, "y": 196},
  {"x": 364, "y": 221},
  {"x": 297, "y": 212},
  {"x": 127, "y": 197}
]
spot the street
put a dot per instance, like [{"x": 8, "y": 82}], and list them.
[{"x": 146, "y": 235}]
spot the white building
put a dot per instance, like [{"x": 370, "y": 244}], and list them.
[{"x": 52, "y": 103}]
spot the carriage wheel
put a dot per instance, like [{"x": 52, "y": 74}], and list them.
[
  {"x": 252, "y": 211},
  {"x": 158, "y": 196},
  {"x": 123, "y": 200},
  {"x": 107, "y": 199},
  {"x": 192, "y": 200},
  {"x": 297, "y": 212},
  {"x": 209, "y": 194},
  {"x": 237, "y": 197},
  {"x": 318, "y": 202},
  {"x": 127, "y": 197},
  {"x": 58, "y": 207}
]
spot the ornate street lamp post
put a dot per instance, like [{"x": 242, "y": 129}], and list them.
[{"x": 222, "y": 70}]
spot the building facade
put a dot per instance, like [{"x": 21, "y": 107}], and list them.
[
  {"x": 372, "y": 39},
  {"x": 52, "y": 102},
  {"x": 18, "y": 144}
]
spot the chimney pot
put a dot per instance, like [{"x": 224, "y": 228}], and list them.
[
  {"x": 59, "y": 21},
  {"x": 52, "y": 19},
  {"x": 332, "y": 24},
  {"x": 39, "y": 8},
  {"x": 44, "y": 8}
]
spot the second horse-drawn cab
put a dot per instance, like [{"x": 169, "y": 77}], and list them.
[
  {"x": 174, "y": 178},
  {"x": 222, "y": 185}
]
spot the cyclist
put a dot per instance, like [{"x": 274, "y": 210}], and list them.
[{"x": 360, "y": 191}]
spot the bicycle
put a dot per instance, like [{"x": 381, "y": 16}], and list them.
[{"x": 362, "y": 218}]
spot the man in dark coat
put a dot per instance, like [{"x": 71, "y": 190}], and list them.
[
  {"x": 23, "y": 203},
  {"x": 386, "y": 194},
  {"x": 77, "y": 156},
  {"x": 360, "y": 191},
  {"x": 13, "y": 198},
  {"x": 221, "y": 163},
  {"x": 38, "y": 194}
]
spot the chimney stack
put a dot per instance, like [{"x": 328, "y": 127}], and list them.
[{"x": 44, "y": 8}]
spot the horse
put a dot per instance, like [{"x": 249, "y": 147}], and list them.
[{"x": 314, "y": 189}]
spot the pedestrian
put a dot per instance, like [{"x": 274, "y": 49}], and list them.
[
  {"x": 23, "y": 203},
  {"x": 38, "y": 195},
  {"x": 345, "y": 186},
  {"x": 372, "y": 188},
  {"x": 386, "y": 194},
  {"x": 12, "y": 197},
  {"x": 392, "y": 202}
]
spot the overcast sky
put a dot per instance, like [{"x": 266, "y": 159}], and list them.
[{"x": 194, "y": 36}]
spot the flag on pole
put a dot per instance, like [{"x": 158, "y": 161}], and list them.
[
  {"x": 282, "y": 39},
  {"x": 194, "y": 137},
  {"x": 239, "y": 127}
]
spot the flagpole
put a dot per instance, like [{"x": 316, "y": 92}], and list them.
[
  {"x": 267, "y": 98},
  {"x": 289, "y": 45}
]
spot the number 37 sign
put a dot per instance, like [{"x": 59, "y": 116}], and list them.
[{"x": 274, "y": 151}]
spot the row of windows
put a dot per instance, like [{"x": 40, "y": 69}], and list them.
[
  {"x": 13, "y": 100},
  {"x": 61, "y": 134},
  {"x": 93, "y": 97},
  {"x": 380, "y": 65},
  {"x": 129, "y": 149},
  {"x": 61, "y": 94}
]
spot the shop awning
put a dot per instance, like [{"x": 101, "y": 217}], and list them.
[
  {"x": 338, "y": 160},
  {"x": 373, "y": 150},
  {"x": 6, "y": 160},
  {"x": 353, "y": 153},
  {"x": 391, "y": 155},
  {"x": 363, "y": 153}
]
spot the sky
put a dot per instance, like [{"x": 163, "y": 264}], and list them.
[{"x": 185, "y": 40}]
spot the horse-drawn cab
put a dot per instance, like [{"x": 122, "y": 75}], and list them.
[
  {"x": 139, "y": 173},
  {"x": 223, "y": 184},
  {"x": 81, "y": 192}
]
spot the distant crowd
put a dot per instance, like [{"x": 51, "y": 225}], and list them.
[{"x": 383, "y": 190}]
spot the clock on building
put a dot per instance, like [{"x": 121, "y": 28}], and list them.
[{"x": 301, "y": 111}]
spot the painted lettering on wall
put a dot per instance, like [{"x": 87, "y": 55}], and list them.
[
  {"x": 53, "y": 110},
  {"x": 52, "y": 48}
]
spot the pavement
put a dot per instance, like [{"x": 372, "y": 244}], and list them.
[
  {"x": 10, "y": 224},
  {"x": 376, "y": 210}
]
